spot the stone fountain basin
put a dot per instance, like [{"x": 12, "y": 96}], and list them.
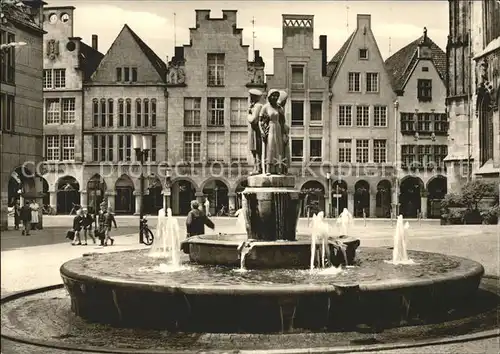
[
  {"x": 127, "y": 289},
  {"x": 223, "y": 250}
]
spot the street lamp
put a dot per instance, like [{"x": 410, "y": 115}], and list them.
[
  {"x": 4, "y": 48},
  {"x": 141, "y": 143},
  {"x": 328, "y": 176},
  {"x": 396, "y": 149}
]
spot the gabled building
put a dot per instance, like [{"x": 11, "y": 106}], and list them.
[
  {"x": 67, "y": 63},
  {"x": 21, "y": 97},
  {"x": 418, "y": 75},
  {"x": 208, "y": 82},
  {"x": 300, "y": 70},
  {"x": 361, "y": 125},
  {"x": 126, "y": 95}
]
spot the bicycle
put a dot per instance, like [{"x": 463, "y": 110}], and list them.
[
  {"x": 147, "y": 234},
  {"x": 222, "y": 211}
]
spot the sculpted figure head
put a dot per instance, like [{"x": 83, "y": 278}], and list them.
[{"x": 273, "y": 96}]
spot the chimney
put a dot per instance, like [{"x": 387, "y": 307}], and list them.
[
  {"x": 94, "y": 42},
  {"x": 322, "y": 46},
  {"x": 179, "y": 53},
  {"x": 364, "y": 22},
  {"x": 256, "y": 55}
]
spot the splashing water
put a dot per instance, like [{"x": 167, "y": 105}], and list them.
[
  {"x": 167, "y": 244},
  {"x": 243, "y": 249},
  {"x": 320, "y": 232},
  {"x": 399, "y": 252},
  {"x": 344, "y": 221},
  {"x": 240, "y": 222}
]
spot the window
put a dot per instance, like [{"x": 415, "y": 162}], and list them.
[
  {"x": 95, "y": 112},
  {"x": 424, "y": 155},
  {"x": 362, "y": 149},
  {"x": 215, "y": 146},
  {"x": 239, "y": 147},
  {"x": 380, "y": 116},
  {"x": 440, "y": 123},
  {"x": 68, "y": 110},
  {"x": 407, "y": 123},
  {"x": 102, "y": 147},
  {"x": 316, "y": 112},
  {"x": 379, "y": 151},
  {"x": 345, "y": 116},
  {"x": 103, "y": 112},
  {"x": 153, "y": 112},
  {"x": 119, "y": 74},
  {"x": 146, "y": 112},
  {"x": 110, "y": 147},
  {"x": 354, "y": 82},
  {"x": 239, "y": 111},
  {"x": 68, "y": 147},
  {"x": 52, "y": 111},
  {"x": 345, "y": 150},
  {"x": 152, "y": 153},
  {"x": 371, "y": 82},
  {"x": 126, "y": 74},
  {"x": 124, "y": 147},
  {"x": 134, "y": 74},
  {"x": 298, "y": 76},
  {"x": 138, "y": 118},
  {"x": 363, "y": 54},
  {"x": 315, "y": 149},
  {"x": 215, "y": 69},
  {"x": 192, "y": 146},
  {"x": 52, "y": 148},
  {"x": 128, "y": 112},
  {"x": 7, "y": 112},
  {"x": 424, "y": 88},
  {"x": 424, "y": 122},
  {"x": 7, "y": 65},
  {"x": 297, "y": 150},
  {"x": 192, "y": 111},
  {"x": 297, "y": 113},
  {"x": 216, "y": 111},
  {"x": 362, "y": 116},
  {"x": 407, "y": 155},
  {"x": 47, "y": 79},
  {"x": 121, "y": 114},
  {"x": 110, "y": 112},
  {"x": 440, "y": 152},
  {"x": 59, "y": 78},
  {"x": 425, "y": 68}
]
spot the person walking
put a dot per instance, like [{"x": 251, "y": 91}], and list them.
[
  {"x": 207, "y": 207},
  {"x": 34, "y": 214},
  {"x": 26, "y": 219},
  {"x": 88, "y": 219},
  {"x": 77, "y": 227},
  {"x": 109, "y": 219},
  {"x": 196, "y": 221},
  {"x": 17, "y": 215}
]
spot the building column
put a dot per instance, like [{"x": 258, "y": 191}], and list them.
[
  {"x": 373, "y": 204},
  {"x": 83, "y": 199},
  {"x": 4, "y": 210},
  {"x": 39, "y": 201},
  {"x": 167, "y": 197},
  {"x": 199, "y": 197},
  {"x": 111, "y": 200},
  {"x": 232, "y": 203},
  {"x": 350, "y": 202},
  {"x": 138, "y": 202},
  {"x": 53, "y": 200},
  {"x": 423, "y": 206}
]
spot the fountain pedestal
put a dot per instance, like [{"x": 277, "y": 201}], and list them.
[{"x": 272, "y": 207}]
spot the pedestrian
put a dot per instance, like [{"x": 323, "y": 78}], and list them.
[
  {"x": 196, "y": 221},
  {"x": 109, "y": 219},
  {"x": 88, "y": 219},
  {"x": 207, "y": 207},
  {"x": 17, "y": 215},
  {"x": 77, "y": 227},
  {"x": 26, "y": 218},
  {"x": 34, "y": 214}
]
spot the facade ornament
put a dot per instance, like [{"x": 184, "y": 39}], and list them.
[
  {"x": 52, "y": 49},
  {"x": 175, "y": 73},
  {"x": 255, "y": 74}
]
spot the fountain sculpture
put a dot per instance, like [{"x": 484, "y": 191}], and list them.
[{"x": 264, "y": 279}]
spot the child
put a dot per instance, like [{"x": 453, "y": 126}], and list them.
[
  {"x": 109, "y": 218},
  {"x": 77, "y": 227},
  {"x": 88, "y": 219}
]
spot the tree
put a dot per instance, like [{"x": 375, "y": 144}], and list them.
[{"x": 474, "y": 192}]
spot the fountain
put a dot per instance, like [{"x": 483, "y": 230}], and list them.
[
  {"x": 399, "y": 252},
  {"x": 167, "y": 244}
]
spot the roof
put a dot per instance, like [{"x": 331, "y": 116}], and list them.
[
  {"x": 155, "y": 60},
  {"x": 400, "y": 65},
  {"x": 333, "y": 65},
  {"x": 89, "y": 60},
  {"x": 20, "y": 13}
]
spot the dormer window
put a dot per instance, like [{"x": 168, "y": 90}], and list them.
[
  {"x": 363, "y": 54},
  {"x": 126, "y": 74},
  {"x": 425, "y": 68}
]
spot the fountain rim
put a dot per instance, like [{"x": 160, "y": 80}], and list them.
[{"x": 475, "y": 269}]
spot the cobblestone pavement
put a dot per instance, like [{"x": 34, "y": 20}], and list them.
[{"x": 37, "y": 266}]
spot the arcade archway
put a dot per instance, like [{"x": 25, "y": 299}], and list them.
[
  {"x": 314, "y": 198},
  {"x": 239, "y": 197},
  {"x": 216, "y": 192},
  {"x": 411, "y": 189},
  {"x": 361, "y": 199},
  {"x": 153, "y": 201},
  {"x": 68, "y": 194},
  {"x": 96, "y": 188},
  {"x": 124, "y": 199},
  {"x": 436, "y": 189},
  {"x": 339, "y": 196},
  {"x": 383, "y": 199},
  {"x": 183, "y": 192}
]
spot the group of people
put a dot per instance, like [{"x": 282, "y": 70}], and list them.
[
  {"x": 83, "y": 222},
  {"x": 28, "y": 215},
  {"x": 268, "y": 134}
]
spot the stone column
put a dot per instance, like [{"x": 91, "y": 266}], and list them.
[
  {"x": 39, "y": 200},
  {"x": 167, "y": 197},
  {"x": 5, "y": 210},
  {"x": 53, "y": 199},
  {"x": 137, "y": 202},
  {"x": 373, "y": 204},
  {"x": 111, "y": 200},
  {"x": 232, "y": 203},
  {"x": 350, "y": 202},
  {"x": 423, "y": 206},
  {"x": 199, "y": 197},
  {"x": 83, "y": 199}
]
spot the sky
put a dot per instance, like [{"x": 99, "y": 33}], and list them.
[{"x": 394, "y": 23}]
